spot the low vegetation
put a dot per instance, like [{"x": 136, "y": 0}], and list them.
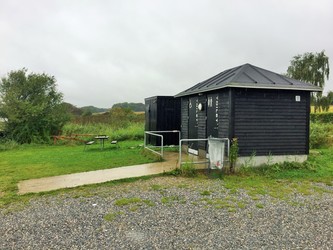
[
  {"x": 324, "y": 117},
  {"x": 279, "y": 181},
  {"x": 21, "y": 162},
  {"x": 36, "y": 161},
  {"x": 321, "y": 135},
  {"x": 133, "y": 131},
  {"x": 119, "y": 124}
]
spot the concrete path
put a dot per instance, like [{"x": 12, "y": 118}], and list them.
[{"x": 99, "y": 176}]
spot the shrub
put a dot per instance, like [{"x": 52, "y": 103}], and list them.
[
  {"x": 188, "y": 170},
  {"x": 32, "y": 106},
  {"x": 115, "y": 117},
  {"x": 322, "y": 117},
  {"x": 233, "y": 154},
  {"x": 321, "y": 135},
  {"x": 134, "y": 131},
  {"x": 8, "y": 145},
  {"x": 292, "y": 166},
  {"x": 268, "y": 169}
]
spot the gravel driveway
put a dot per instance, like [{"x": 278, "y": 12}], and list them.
[{"x": 170, "y": 213}]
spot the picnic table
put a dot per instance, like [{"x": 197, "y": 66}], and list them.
[{"x": 102, "y": 138}]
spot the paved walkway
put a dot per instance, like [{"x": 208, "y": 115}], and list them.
[{"x": 99, "y": 176}]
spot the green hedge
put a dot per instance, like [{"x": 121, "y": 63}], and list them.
[
  {"x": 322, "y": 117},
  {"x": 320, "y": 135}
]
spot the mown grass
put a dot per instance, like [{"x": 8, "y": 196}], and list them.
[
  {"x": 280, "y": 182},
  {"x": 36, "y": 161},
  {"x": 319, "y": 167}
]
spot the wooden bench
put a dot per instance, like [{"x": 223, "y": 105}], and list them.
[
  {"x": 88, "y": 143},
  {"x": 115, "y": 143}
]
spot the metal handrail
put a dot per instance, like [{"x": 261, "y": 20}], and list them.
[
  {"x": 155, "y": 133},
  {"x": 167, "y": 131},
  {"x": 145, "y": 145},
  {"x": 187, "y": 140}
]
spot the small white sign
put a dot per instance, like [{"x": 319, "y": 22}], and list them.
[{"x": 297, "y": 98}]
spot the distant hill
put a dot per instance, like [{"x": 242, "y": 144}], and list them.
[
  {"x": 93, "y": 109},
  {"x": 89, "y": 110},
  {"x": 136, "y": 107},
  {"x": 73, "y": 109}
]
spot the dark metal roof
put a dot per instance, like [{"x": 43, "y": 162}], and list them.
[{"x": 249, "y": 76}]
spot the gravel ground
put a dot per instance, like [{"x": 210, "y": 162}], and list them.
[{"x": 170, "y": 213}]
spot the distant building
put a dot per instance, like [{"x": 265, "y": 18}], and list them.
[{"x": 162, "y": 114}]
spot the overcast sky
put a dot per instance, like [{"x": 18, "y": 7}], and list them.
[{"x": 105, "y": 52}]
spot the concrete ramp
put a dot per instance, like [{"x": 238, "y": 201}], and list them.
[{"x": 99, "y": 176}]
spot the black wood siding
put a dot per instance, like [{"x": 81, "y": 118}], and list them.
[
  {"x": 202, "y": 122},
  {"x": 184, "y": 117},
  {"x": 224, "y": 114},
  {"x": 162, "y": 114},
  {"x": 271, "y": 121}
]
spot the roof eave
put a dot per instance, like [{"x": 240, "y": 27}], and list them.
[{"x": 262, "y": 86}]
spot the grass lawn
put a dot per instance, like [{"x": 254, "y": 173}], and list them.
[
  {"x": 321, "y": 161},
  {"x": 29, "y": 162},
  {"x": 280, "y": 183}
]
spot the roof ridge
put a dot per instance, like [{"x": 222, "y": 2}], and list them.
[
  {"x": 257, "y": 69},
  {"x": 242, "y": 69},
  {"x": 248, "y": 76},
  {"x": 227, "y": 73}
]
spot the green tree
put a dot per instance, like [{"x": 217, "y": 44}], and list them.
[
  {"x": 87, "y": 113},
  {"x": 121, "y": 117},
  {"x": 31, "y": 106},
  {"x": 326, "y": 101},
  {"x": 312, "y": 68}
]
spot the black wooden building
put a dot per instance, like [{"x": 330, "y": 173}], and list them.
[
  {"x": 267, "y": 112},
  {"x": 162, "y": 114}
]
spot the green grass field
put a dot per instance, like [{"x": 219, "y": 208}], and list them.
[
  {"x": 36, "y": 161},
  {"x": 280, "y": 180},
  {"x": 21, "y": 162}
]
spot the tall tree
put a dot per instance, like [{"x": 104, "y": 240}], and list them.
[
  {"x": 326, "y": 101},
  {"x": 31, "y": 106},
  {"x": 312, "y": 68}
]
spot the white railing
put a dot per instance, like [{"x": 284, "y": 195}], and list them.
[
  {"x": 189, "y": 140},
  {"x": 157, "y": 133}
]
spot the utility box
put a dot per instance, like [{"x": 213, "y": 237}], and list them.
[{"x": 162, "y": 113}]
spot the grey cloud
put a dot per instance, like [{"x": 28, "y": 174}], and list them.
[{"x": 102, "y": 52}]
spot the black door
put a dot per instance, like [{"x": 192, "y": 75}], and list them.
[
  {"x": 151, "y": 120},
  {"x": 193, "y": 124},
  {"x": 212, "y": 115}
]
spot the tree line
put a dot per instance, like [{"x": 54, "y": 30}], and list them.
[{"x": 313, "y": 68}]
